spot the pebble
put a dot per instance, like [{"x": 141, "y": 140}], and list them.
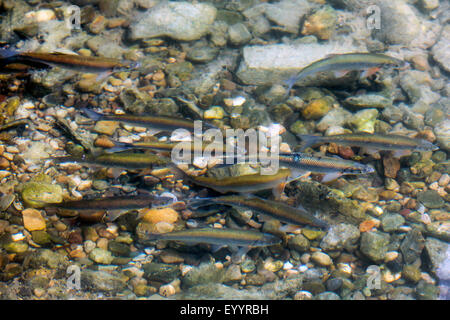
[
  {"x": 444, "y": 180},
  {"x": 159, "y": 215},
  {"x": 303, "y": 295},
  {"x": 273, "y": 266},
  {"x": 316, "y": 109},
  {"x": 214, "y": 113},
  {"x": 100, "y": 255},
  {"x": 89, "y": 245},
  {"x": 430, "y": 199},
  {"x": 321, "y": 23},
  {"x": 33, "y": 220},
  {"x": 106, "y": 127},
  {"x": 321, "y": 259}
]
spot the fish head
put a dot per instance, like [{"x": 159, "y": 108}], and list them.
[
  {"x": 426, "y": 146},
  {"x": 400, "y": 64},
  {"x": 358, "y": 168},
  {"x": 267, "y": 240}
]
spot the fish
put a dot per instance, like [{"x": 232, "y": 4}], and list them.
[
  {"x": 242, "y": 184},
  {"x": 156, "y": 145},
  {"x": 155, "y": 122},
  {"x": 371, "y": 142},
  {"x": 112, "y": 203},
  {"x": 67, "y": 61},
  {"x": 115, "y": 206},
  {"x": 301, "y": 164},
  {"x": 219, "y": 237},
  {"x": 332, "y": 167},
  {"x": 15, "y": 123},
  {"x": 342, "y": 63},
  {"x": 273, "y": 209},
  {"x": 19, "y": 68},
  {"x": 125, "y": 160}
]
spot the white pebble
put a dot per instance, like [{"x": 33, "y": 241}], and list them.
[
  {"x": 444, "y": 180},
  {"x": 17, "y": 236},
  {"x": 425, "y": 218},
  {"x": 167, "y": 290},
  {"x": 421, "y": 208},
  {"x": 185, "y": 269},
  {"x": 303, "y": 295},
  {"x": 345, "y": 268},
  {"x": 303, "y": 268},
  {"x": 287, "y": 266},
  {"x": 149, "y": 250},
  {"x": 285, "y": 148},
  {"x": 434, "y": 186},
  {"x": 390, "y": 256},
  {"x": 28, "y": 105},
  {"x": 61, "y": 113}
]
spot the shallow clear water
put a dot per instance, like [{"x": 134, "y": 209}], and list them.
[{"x": 227, "y": 63}]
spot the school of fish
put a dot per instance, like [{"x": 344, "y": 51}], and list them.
[{"x": 236, "y": 191}]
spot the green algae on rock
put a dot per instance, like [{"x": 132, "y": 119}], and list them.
[{"x": 37, "y": 194}]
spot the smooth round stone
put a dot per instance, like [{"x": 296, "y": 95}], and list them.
[
  {"x": 321, "y": 259},
  {"x": 333, "y": 284},
  {"x": 327, "y": 295}
]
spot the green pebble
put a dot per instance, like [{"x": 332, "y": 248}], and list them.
[
  {"x": 41, "y": 237},
  {"x": 16, "y": 247},
  {"x": 100, "y": 255},
  {"x": 118, "y": 248},
  {"x": 37, "y": 194},
  {"x": 411, "y": 273},
  {"x": 391, "y": 222},
  {"x": 430, "y": 199},
  {"x": 248, "y": 265},
  {"x": 299, "y": 243}
]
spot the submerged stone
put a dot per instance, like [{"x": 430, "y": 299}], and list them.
[
  {"x": 182, "y": 21},
  {"x": 374, "y": 244}
]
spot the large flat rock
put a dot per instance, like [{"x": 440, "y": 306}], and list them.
[{"x": 276, "y": 63}]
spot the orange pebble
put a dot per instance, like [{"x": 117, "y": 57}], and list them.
[
  {"x": 159, "y": 215},
  {"x": 367, "y": 225}
]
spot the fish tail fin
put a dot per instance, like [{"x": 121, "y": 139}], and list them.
[
  {"x": 290, "y": 83},
  {"x": 199, "y": 202},
  {"x": 120, "y": 146},
  {"x": 8, "y": 53},
  {"x": 96, "y": 116},
  {"x": 322, "y": 224},
  {"x": 308, "y": 140}
]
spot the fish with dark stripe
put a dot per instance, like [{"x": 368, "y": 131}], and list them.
[
  {"x": 126, "y": 160},
  {"x": 273, "y": 209},
  {"x": 155, "y": 122},
  {"x": 341, "y": 63},
  {"x": 219, "y": 237},
  {"x": 369, "y": 141}
]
